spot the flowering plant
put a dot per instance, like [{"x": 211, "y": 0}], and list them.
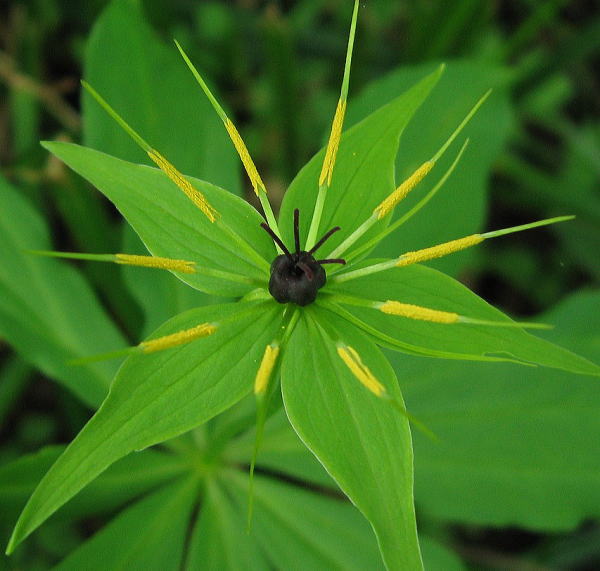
[{"x": 310, "y": 313}]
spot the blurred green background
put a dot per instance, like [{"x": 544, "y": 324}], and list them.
[{"x": 277, "y": 67}]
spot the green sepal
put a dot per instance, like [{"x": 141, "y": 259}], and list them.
[
  {"x": 157, "y": 396},
  {"x": 361, "y": 440},
  {"x": 427, "y": 287},
  {"x": 170, "y": 225}
]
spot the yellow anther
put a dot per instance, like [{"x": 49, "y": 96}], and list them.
[
  {"x": 179, "y": 338},
  {"x": 247, "y": 161},
  {"x": 333, "y": 144},
  {"x": 183, "y": 266},
  {"x": 439, "y": 250},
  {"x": 263, "y": 375},
  {"x": 353, "y": 361},
  {"x": 417, "y": 312},
  {"x": 193, "y": 194},
  {"x": 387, "y": 205}
]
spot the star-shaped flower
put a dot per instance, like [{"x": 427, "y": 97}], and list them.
[{"x": 310, "y": 311}]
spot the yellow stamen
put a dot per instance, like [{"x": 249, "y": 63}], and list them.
[
  {"x": 388, "y": 204},
  {"x": 439, "y": 250},
  {"x": 183, "y": 266},
  {"x": 179, "y": 338},
  {"x": 333, "y": 144},
  {"x": 417, "y": 312},
  {"x": 265, "y": 370},
  {"x": 193, "y": 194},
  {"x": 353, "y": 361},
  {"x": 247, "y": 161}
]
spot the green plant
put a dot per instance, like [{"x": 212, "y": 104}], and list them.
[{"x": 320, "y": 349}]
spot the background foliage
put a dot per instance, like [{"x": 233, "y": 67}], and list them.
[{"x": 514, "y": 482}]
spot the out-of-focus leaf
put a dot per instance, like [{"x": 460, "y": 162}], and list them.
[
  {"x": 148, "y": 83},
  {"x": 47, "y": 311},
  {"x": 126, "y": 479},
  {"x": 148, "y": 535},
  {"x": 220, "y": 541},
  {"x": 14, "y": 374},
  {"x": 438, "y": 558},
  {"x": 298, "y": 529},
  {"x": 518, "y": 446}
]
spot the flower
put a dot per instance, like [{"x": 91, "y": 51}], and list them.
[{"x": 318, "y": 330}]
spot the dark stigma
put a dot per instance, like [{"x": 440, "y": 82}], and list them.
[{"x": 296, "y": 278}]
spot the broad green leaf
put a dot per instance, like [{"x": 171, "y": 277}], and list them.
[
  {"x": 169, "y": 224},
  {"x": 148, "y": 83},
  {"x": 159, "y": 395},
  {"x": 429, "y": 288},
  {"x": 458, "y": 209},
  {"x": 363, "y": 174},
  {"x": 47, "y": 311},
  {"x": 124, "y": 480},
  {"x": 159, "y": 294},
  {"x": 518, "y": 446},
  {"x": 299, "y": 529},
  {"x": 219, "y": 541},
  {"x": 150, "y": 534},
  {"x": 363, "y": 442}
]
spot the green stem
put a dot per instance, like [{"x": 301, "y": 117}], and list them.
[
  {"x": 270, "y": 217},
  {"x": 311, "y": 239},
  {"x": 318, "y": 211},
  {"x": 364, "y": 227},
  {"x": 368, "y": 270}
]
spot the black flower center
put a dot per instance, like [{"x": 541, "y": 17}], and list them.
[{"x": 296, "y": 278}]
